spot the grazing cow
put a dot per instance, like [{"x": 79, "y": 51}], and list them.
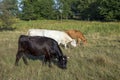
[
  {"x": 75, "y": 34},
  {"x": 37, "y": 46},
  {"x": 60, "y": 36}
]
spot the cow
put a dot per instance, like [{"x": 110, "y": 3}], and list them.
[
  {"x": 60, "y": 36},
  {"x": 75, "y": 34},
  {"x": 38, "y": 46}
]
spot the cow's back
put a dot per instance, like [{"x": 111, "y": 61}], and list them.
[
  {"x": 38, "y": 44},
  {"x": 75, "y": 34},
  {"x": 36, "y": 32},
  {"x": 59, "y": 36}
]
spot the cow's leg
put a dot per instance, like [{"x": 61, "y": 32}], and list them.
[
  {"x": 78, "y": 40},
  {"x": 44, "y": 60},
  {"x": 18, "y": 56},
  {"x": 65, "y": 45},
  {"x": 24, "y": 59},
  {"x": 50, "y": 65},
  {"x": 47, "y": 58}
]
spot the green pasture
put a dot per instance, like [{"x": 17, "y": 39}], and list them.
[{"x": 98, "y": 60}]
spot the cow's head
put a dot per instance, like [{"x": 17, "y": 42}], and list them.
[{"x": 62, "y": 63}]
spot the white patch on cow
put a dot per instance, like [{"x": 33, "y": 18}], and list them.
[{"x": 73, "y": 43}]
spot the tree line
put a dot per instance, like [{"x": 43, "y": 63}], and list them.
[
  {"x": 100, "y": 10},
  {"x": 103, "y": 10}
]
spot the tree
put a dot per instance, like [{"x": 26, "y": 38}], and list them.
[
  {"x": 46, "y": 9},
  {"x": 8, "y": 11},
  {"x": 92, "y": 12},
  {"x": 37, "y": 9},
  {"x": 109, "y": 9},
  {"x": 58, "y": 9},
  {"x": 66, "y": 8},
  {"x": 63, "y": 9},
  {"x": 27, "y": 12},
  {"x": 80, "y": 8},
  {"x": 105, "y": 10}
]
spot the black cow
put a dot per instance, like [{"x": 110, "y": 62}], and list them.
[{"x": 37, "y": 46}]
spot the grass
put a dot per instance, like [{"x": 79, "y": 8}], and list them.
[{"x": 98, "y": 60}]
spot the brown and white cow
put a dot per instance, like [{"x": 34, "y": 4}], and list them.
[{"x": 75, "y": 34}]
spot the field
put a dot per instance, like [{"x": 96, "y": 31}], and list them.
[{"x": 98, "y": 60}]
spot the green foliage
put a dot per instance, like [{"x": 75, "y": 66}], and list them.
[
  {"x": 8, "y": 11},
  {"x": 28, "y": 10},
  {"x": 110, "y": 9},
  {"x": 103, "y": 10},
  {"x": 37, "y": 9},
  {"x": 81, "y": 8},
  {"x": 66, "y": 8},
  {"x": 46, "y": 9},
  {"x": 87, "y": 27}
]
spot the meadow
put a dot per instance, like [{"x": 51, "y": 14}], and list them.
[{"x": 98, "y": 60}]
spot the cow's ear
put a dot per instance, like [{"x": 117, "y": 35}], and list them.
[{"x": 63, "y": 58}]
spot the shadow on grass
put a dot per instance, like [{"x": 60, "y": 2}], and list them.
[
  {"x": 7, "y": 29},
  {"x": 116, "y": 41},
  {"x": 40, "y": 58}
]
